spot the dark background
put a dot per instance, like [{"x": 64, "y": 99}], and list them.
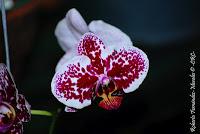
[{"x": 166, "y": 30}]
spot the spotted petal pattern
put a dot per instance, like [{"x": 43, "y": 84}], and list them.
[
  {"x": 23, "y": 109},
  {"x": 70, "y": 29},
  {"x": 7, "y": 86},
  {"x": 14, "y": 102},
  {"x": 16, "y": 128},
  {"x": 75, "y": 82},
  {"x": 127, "y": 67}
]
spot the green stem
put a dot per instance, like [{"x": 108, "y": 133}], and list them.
[
  {"x": 51, "y": 130},
  {"x": 41, "y": 112}
]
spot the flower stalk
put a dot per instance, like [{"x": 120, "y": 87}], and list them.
[
  {"x": 3, "y": 12},
  {"x": 51, "y": 130}
]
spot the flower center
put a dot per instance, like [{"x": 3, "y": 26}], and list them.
[
  {"x": 104, "y": 85},
  {"x": 109, "y": 95},
  {"x": 105, "y": 81},
  {"x": 7, "y": 116}
]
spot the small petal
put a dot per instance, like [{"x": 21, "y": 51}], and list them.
[
  {"x": 128, "y": 67},
  {"x": 73, "y": 83},
  {"x": 7, "y": 85},
  {"x": 110, "y": 35},
  {"x": 70, "y": 29},
  {"x": 69, "y": 109},
  {"x": 23, "y": 109}
]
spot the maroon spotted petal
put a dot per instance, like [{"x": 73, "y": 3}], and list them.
[
  {"x": 16, "y": 128},
  {"x": 14, "y": 109},
  {"x": 23, "y": 109},
  {"x": 92, "y": 46},
  {"x": 8, "y": 89}
]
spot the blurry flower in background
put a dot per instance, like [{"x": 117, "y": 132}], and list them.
[
  {"x": 14, "y": 109},
  {"x": 9, "y": 4},
  {"x": 100, "y": 64}
]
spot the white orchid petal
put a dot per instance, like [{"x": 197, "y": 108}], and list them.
[
  {"x": 70, "y": 29},
  {"x": 137, "y": 82},
  {"x": 64, "y": 35},
  {"x": 77, "y": 21},
  {"x": 110, "y": 35},
  {"x": 72, "y": 84},
  {"x": 68, "y": 56},
  {"x": 69, "y": 109}
]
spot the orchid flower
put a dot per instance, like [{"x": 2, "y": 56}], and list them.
[
  {"x": 14, "y": 109},
  {"x": 100, "y": 64}
]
